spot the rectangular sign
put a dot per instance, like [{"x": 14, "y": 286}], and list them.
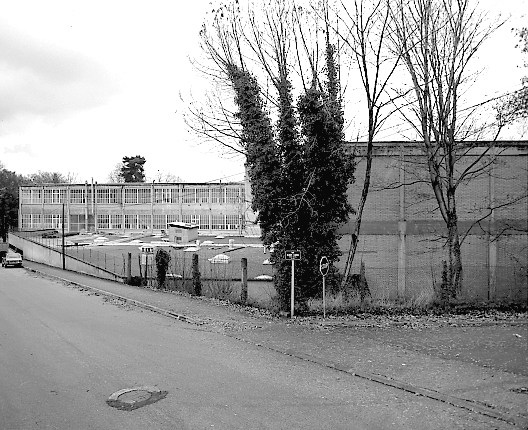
[{"x": 293, "y": 255}]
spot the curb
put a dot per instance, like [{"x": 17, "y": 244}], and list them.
[
  {"x": 165, "y": 312},
  {"x": 469, "y": 405},
  {"x": 387, "y": 381}
]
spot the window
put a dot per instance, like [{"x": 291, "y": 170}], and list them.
[
  {"x": 36, "y": 196},
  {"x": 31, "y": 221},
  {"x": 217, "y": 222},
  {"x": 202, "y": 195},
  {"x": 116, "y": 221},
  {"x": 103, "y": 221},
  {"x": 175, "y": 195},
  {"x": 77, "y": 222},
  {"x": 144, "y": 222},
  {"x": 160, "y": 222},
  {"x": 103, "y": 196},
  {"x": 173, "y": 218},
  {"x": 232, "y": 195},
  {"x": 115, "y": 195},
  {"x": 77, "y": 196},
  {"x": 162, "y": 195},
  {"x": 108, "y": 195},
  {"x": 54, "y": 195},
  {"x": 189, "y": 195},
  {"x": 217, "y": 195},
  {"x": 52, "y": 221},
  {"x": 131, "y": 195},
  {"x": 204, "y": 222},
  {"x": 36, "y": 221},
  {"x": 144, "y": 195},
  {"x": 190, "y": 218},
  {"x": 232, "y": 222},
  {"x": 131, "y": 221},
  {"x": 25, "y": 196},
  {"x": 26, "y": 221}
]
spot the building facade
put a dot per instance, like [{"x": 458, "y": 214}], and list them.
[
  {"x": 403, "y": 235},
  {"x": 136, "y": 207}
]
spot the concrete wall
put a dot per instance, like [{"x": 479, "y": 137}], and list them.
[
  {"x": 403, "y": 234},
  {"x": 41, "y": 254}
]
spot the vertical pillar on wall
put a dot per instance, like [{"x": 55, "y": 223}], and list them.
[
  {"x": 152, "y": 208},
  {"x": 68, "y": 198},
  {"x": 180, "y": 195},
  {"x": 123, "y": 208},
  {"x": 20, "y": 206},
  {"x": 402, "y": 228},
  {"x": 94, "y": 203},
  {"x": 492, "y": 244},
  {"x": 42, "y": 208},
  {"x": 86, "y": 211}
]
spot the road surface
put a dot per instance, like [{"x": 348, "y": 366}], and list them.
[{"x": 64, "y": 351}]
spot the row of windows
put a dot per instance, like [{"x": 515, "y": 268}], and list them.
[
  {"x": 112, "y": 195},
  {"x": 34, "y": 221},
  {"x": 143, "y": 221},
  {"x": 133, "y": 221}
]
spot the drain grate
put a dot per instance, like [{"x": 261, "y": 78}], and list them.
[{"x": 129, "y": 399}]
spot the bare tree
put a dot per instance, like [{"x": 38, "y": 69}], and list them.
[
  {"x": 437, "y": 39},
  {"x": 115, "y": 176},
  {"x": 363, "y": 28}
]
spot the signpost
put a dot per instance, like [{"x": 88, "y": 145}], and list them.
[
  {"x": 147, "y": 257},
  {"x": 292, "y": 255},
  {"x": 323, "y": 268}
]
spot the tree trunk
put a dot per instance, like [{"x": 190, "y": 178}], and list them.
[
  {"x": 455, "y": 258},
  {"x": 364, "y": 195}
]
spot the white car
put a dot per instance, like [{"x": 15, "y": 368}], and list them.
[{"x": 12, "y": 259}]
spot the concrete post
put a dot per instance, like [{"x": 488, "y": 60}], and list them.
[
  {"x": 152, "y": 192},
  {"x": 86, "y": 212},
  {"x": 244, "y": 287},
  {"x": 402, "y": 263},
  {"x": 197, "y": 283},
  {"x": 129, "y": 268},
  {"x": 402, "y": 229},
  {"x": 492, "y": 244}
]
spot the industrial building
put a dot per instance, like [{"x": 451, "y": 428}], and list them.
[
  {"x": 402, "y": 234},
  {"x": 137, "y": 207}
]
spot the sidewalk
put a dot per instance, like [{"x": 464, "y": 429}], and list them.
[{"x": 475, "y": 364}]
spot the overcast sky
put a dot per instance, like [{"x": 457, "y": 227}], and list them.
[{"x": 84, "y": 83}]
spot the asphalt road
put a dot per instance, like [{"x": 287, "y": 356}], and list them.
[{"x": 64, "y": 351}]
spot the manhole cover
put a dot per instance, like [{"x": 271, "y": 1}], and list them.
[{"x": 129, "y": 399}]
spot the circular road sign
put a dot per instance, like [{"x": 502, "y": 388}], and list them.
[{"x": 324, "y": 266}]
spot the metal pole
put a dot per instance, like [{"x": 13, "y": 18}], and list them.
[
  {"x": 63, "y": 256},
  {"x": 292, "y": 299},
  {"x": 324, "y": 298}
]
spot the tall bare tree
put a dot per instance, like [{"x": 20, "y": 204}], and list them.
[
  {"x": 290, "y": 121},
  {"x": 363, "y": 28},
  {"x": 437, "y": 39}
]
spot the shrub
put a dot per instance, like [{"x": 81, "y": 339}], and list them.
[
  {"x": 163, "y": 259},
  {"x": 136, "y": 281}
]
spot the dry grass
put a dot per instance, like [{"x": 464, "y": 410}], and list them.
[{"x": 337, "y": 304}]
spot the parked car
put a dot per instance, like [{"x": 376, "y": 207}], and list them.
[
  {"x": 12, "y": 259},
  {"x": 53, "y": 234}
]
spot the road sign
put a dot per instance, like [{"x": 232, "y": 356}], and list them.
[
  {"x": 293, "y": 255},
  {"x": 324, "y": 265}
]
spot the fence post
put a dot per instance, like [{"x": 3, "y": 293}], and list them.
[
  {"x": 197, "y": 283},
  {"x": 244, "y": 287},
  {"x": 129, "y": 268}
]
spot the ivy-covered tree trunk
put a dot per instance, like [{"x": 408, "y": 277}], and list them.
[
  {"x": 163, "y": 259},
  {"x": 298, "y": 170}
]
